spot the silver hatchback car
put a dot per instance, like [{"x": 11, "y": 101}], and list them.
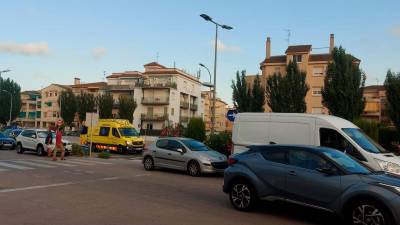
[{"x": 184, "y": 154}]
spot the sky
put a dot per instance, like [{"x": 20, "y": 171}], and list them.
[{"x": 44, "y": 42}]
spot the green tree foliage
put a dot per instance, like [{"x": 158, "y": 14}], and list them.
[
  {"x": 392, "y": 86},
  {"x": 257, "y": 99},
  {"x": 86, "y": 102},
  {"x": 219, "y": 142},
  {"x": 127, "y": 106},
  {"x": 196, "y": 129},
  {"x": 67, "y": 101},
  {"x": 286, "y": 93},
  {"x": 343, "y": 86},
  {"x": 241, "y": 93},
  {"x": 5, "y": 100},
  {"x": 105, "y": 103}
]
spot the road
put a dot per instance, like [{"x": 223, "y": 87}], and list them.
[{"x": 91, "y": 191}]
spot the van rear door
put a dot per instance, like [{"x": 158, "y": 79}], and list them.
[
  {"x": 296, "y": 130},
  {"x": 249, "y": 129}
]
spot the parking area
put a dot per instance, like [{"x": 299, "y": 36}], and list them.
[{"x": 119, "y": 191}]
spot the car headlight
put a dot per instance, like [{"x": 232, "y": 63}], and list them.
[
  {"x": 205, "y": 158},
  {"x": 128, "y": 142},
  {"x": 392, "y": 188},
  {"x": 389, "y": 166}
]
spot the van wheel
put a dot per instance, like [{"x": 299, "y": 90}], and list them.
[
  {"x": 193, "y": 169},
  {"x": 148, "y": 163},
  {"x": 40, "y": 150},
  {"x": 19, "y": 148},
  {"x": 243, "y": 196}
]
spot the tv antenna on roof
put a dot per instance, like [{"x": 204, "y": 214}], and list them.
[
  {"x": 288, "y": 36},
  {"x": 104, "y": 75},
  {"x": 157, "y": 56}
]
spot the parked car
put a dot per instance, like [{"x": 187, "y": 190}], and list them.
[
  {"x": 12, "y": 133},
  {"x": 317, "y": 177},
  {"x": 34, "y": 140},
  {"x": 311, "y": 129},
  {"x": 6, "y": 142},
  {"x": 184, "y": 154}
]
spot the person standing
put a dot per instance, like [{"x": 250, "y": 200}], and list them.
[
  {"x": 59, "y": 145},
  {"x": 49, "y": 142}
]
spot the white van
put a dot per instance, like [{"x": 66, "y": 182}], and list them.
[{"x": 311, "y": 129}]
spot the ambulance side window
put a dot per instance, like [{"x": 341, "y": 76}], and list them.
[
  {"x": 115, "y": 133},
  {"x": 104, "y": 131}
]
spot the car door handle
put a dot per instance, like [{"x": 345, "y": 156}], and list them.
[
  {"x": 292, "y": 173},
  {"x": 272, "y": 143},
  {"x": 169, "y": 153}
]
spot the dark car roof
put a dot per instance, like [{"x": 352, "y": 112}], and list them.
[{"x": 310, "y": 148}]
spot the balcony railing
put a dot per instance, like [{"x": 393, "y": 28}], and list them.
[
  {"x": 154, "y": 117},
  {"x": 193, "y": 107},
  {"x": 159, "y": 85},
  {"x": 184, "y": 119},
  {"x": 184, "y": 105},
  {"x": 155, "y": 101}
]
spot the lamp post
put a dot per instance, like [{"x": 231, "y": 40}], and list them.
[
  {"x": 208, "y": 84},
  {"x": 4, "y": 71},
  {"x": 11, "y": 103},
  {"x": 217, "y": 25}
]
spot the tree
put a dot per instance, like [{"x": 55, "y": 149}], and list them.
[
  {"x": 67, "y": 102},
  {"x": 127, "y": 106},
  {"x": 241, "y": 93},
  {"x": 257, "y": 96},
  {"x": 196, "y": 129},
  {"x": 105, "y": 103},
  {"x": 5, "y": 100},
  {"x": 392, "y": 87},
  {"x": 343, "y": 86},
  {"x": 86, "y": 102},
  {"x": 286, "y": 93}
]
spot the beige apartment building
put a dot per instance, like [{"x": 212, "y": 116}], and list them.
[
  {"x": 221, "y": 108},
  {"x": 50, "y": 108},
  {"x": 30, "y": 113},
  {"x": 314, "y": 65},
  {"x": 375, "y": 104}
]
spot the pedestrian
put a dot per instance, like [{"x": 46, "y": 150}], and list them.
[
  {"x": 49, "y": 141},
  {"x": 59, "y": 144}
]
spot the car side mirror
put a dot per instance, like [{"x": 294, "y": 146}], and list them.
[
  {"x": 33, "y": 136},
  {"x": 180, "y": 150},
  {"x": 327, "y": 171}
]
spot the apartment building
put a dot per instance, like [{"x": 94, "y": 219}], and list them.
[
  {"x": 221, "y": 109},
  {"x": 50, "y": 108},
  {"x": 164, "y": 96},
  {"x": 375, "y": 104},
  {"x": 314, "y": 65},
  {"x": 30, "y": 113}
]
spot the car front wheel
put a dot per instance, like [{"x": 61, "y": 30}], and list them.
[
  {"x": 193, "y": 169},
  {"x": 148, "y": 163},
  {"x": 242, "y": 196},
  {"x": 368, "y": 212},
  {"x": 39, "y": 150},
  {"x": 19, "y": 148}
]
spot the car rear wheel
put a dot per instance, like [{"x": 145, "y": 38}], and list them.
[
  {"x": 19, "y": 148},
  {"x": 368, "y": 212},
  {"x": 148, "y": 163},
  {"x": 242, "y": 196},
  {"x": 40, "y": 150},
  {"x": 193, "y": 169}
]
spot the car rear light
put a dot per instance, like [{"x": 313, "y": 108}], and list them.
[{"x": 232, "y": 161}]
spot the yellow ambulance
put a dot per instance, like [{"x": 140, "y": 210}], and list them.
[{"x": 113, "y": 135}]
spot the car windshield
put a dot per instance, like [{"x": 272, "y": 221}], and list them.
[
  {"x": 195, "y": 145},
  {"x": 364, "y": 141},
  {"x": 346, "y": 162},
  {"x": 128, "y": 132}
]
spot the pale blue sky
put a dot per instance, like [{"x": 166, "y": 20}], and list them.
[{"x": 85, "y": 38}]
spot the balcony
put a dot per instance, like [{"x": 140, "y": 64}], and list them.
[
  {"x": 184, "y": 119},
  {"x": 194, "y": 107},
  {"x": 155, "y": 117},
  {"x": 184, "y": 105},
  {"x": 159, "y": 85},
  {"x": 155, "y": 101},
  {"x": 120, "y": 87}
]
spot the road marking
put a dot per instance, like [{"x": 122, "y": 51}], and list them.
[
  {"x": 53, "y": 163},
  {"x": 1, "y": 170},
  {"x": 32, "y": 164},
  {"x": 35, "y": 187},
  {"x": 79, "y": 163},
  {"x": 89, "y": 161},
  {"x": 4, "y": 164}
]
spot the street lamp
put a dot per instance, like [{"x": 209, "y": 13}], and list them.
[
  {"x": 208, "y": 18},
  {"x": 207, "y": 84},
  {"x": 4, "y": 71},
  {"x": 11, "y": 103}
]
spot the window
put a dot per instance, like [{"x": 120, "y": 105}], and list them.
[
  {"x": 162, "y": 143},
  {"x": 277, "y": 156},
  {"x": 317, "y": 110},
  {"x": 104, "y": 131},
  {"x": 84, "y": 130},
  {"x": 307, "y": 160},
  {"x": 128, "y": 132},
  {"x": 115, "y": 133},
  {"x": 332, "y": 139},
  {"x": 55, "y": 93},
  {"x": 316, "y": 91},
  {"x": 364, "y": 141},
  {"x": 297, "y": 58},
  {"x": 174, "y": 145},
  {"x": 172, "y": 111},
  {"x": 54, "y": 114},
  {"x": 318, "y": 71},
  {"x": 51, "y": 94}
]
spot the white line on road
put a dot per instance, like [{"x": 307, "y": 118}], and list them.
[
  {"x": 79, "y": 163},
  {"x": 34, "y": 187},
  {"x": 89, "y": 161},
  {"x": 55, "y": 163},
  {"x": 32, "y": 164},
  {"x": 4, "y": 164},
  {"x": 1, "y": 170}
]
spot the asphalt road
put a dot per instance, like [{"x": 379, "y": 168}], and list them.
[{"x": 90, "y": 191}]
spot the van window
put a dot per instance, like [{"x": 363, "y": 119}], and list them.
[
  {"x": 364, "y": 141},
  {"x": 104, "y": 131},
  {"x": 84, "y": 130},
  {"x": 115, "y": 133}
]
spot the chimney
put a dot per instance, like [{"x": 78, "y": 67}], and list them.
[
  {"x": 268, "y": 48},
  {"x": 331, "y": 43},
  {"x": 77, "y": 81}
]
